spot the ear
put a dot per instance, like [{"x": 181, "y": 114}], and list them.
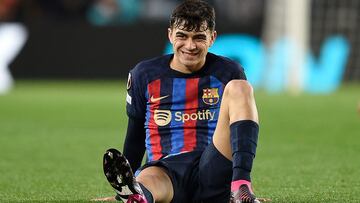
[
  {"x": 170, "y": 35},
  {"x": 213, "y": 37}
]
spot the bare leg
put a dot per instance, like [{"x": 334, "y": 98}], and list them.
[
  {"x": 238, "y": 103},
  {"x": 158, "y": 183},
  {"x": 236, "y": 136}
]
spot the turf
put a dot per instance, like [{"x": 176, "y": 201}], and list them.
[{"x": 53, "y": 135}]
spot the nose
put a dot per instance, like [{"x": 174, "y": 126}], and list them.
[{"x": 190, "y": 44}]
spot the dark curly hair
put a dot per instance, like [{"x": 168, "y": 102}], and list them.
[{"x": 191, "y": 15}]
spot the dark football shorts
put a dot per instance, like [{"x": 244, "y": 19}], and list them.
[{"x": 198, "y": 176}]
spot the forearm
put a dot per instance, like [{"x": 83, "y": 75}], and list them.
[{"x": 134, "y": 145}]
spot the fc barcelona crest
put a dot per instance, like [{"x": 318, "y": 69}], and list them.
[{"x": 210, "y": 96}]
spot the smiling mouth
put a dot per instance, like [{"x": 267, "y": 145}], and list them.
[{"x": 189, "y": 54}]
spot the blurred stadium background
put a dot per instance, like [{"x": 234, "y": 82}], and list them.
[{"x": 63, "y": 66}]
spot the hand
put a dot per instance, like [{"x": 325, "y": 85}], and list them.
[
  {"x": 263, "y": 199},
  {"x": 104, "y": 199}
]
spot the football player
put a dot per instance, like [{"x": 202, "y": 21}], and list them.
[{"x": 194, "y": 114}]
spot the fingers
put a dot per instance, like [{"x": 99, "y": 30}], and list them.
[{"x": 104, "y": 199}]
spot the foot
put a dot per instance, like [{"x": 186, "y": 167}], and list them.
[
  {"x": 241, "y": 192},
  {"x": 136, "y": 198},
  {"x": 120, "y": 176}
]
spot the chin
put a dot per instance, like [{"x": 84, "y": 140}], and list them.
[{"x": 189, "y": 63}]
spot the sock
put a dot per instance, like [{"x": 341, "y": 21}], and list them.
[
  {"x": 147, "y": 193},
  {"x": 244, "y": 136}
]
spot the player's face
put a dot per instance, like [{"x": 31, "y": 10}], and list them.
[{"x": 190, "y": 48}]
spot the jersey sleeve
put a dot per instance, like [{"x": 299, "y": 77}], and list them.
[
  {"x": 239, "y": 72},
  {"x": 227, "y": 69},
  {"x": 135, "y": 98},
  {"x": 134, "y": 144}
]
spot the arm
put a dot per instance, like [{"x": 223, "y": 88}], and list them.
[{"x": 134, "y": 145}]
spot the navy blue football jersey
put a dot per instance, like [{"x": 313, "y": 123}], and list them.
[{"x": 180, "y": 110}]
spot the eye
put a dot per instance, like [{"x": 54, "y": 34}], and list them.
[
  {"x": 200, "y": 37},
  {"x": 180, "y": 36}
]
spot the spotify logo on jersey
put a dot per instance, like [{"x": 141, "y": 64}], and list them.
[{"x": 162, "y": 117}]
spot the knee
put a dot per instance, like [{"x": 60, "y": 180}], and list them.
[
  {"x": 154, "y": 176},
  {"x": 151, "y": 174},
  {"x": 239, "y": 89},
  {"x": 156, "y": 180}
]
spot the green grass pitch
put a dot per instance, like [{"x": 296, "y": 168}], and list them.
[{"x": 53, "y": 135}]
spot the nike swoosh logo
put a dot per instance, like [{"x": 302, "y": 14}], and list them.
[{"x": 152, "y": 99}]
